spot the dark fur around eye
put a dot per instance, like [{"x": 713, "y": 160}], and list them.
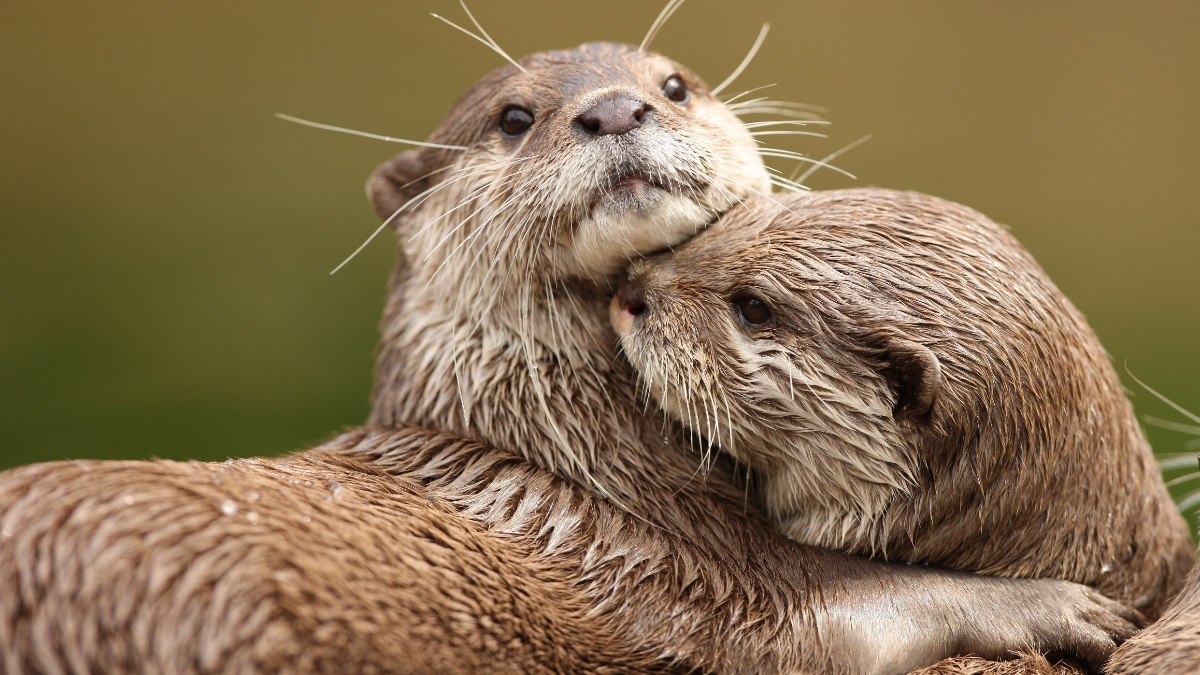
[
  {"x": 515, "y": 121},
  {"x": 676, "y": 90},
  {"x": 754, "y": 312}
]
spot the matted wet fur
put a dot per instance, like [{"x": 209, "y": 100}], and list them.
[
  {"x": 393, "y": 550},
  {"x": 317, "y": 562},
  {"x": 1169, "y": 646},
  {"x": 909, "y": 384},
  {"x": 496, "y": 328},
  {"x": 599, "y": 544}
]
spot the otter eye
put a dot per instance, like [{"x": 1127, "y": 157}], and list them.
[
  {"x": 676, "y": 90},
  {"x": 754, "y": 312},
  {"x": 515, "y": 121}
]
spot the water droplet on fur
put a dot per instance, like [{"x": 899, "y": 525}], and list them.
[
  {"x": 128, "y": 500},
  {"x": 253, "y": 496},
  {"x": 308, "y": 519},
  {"x": 1108, "y": 566},
  {"x": 6, "y": 533},
  {"x": 308, "y": 482},
  {"x": 229, "y": 508},
  {"x": 335, "y": 488},
  {"x": 252, "y": 517}
]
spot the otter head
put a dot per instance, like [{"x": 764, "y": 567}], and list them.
[
  {"x": 753, "y": 337},
  {"x": 907, "y": 382},
  {"x": 569, "y": 167},
  {"x": 539, "y": 187}
]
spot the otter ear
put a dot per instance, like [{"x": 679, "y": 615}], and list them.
[
  {"x": 915, "y": 374},
  {"x": 396, "y": 181}
]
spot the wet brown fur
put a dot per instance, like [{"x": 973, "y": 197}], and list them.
[
  {"x": 1024, "y": 458},
  {"x": 547, "y": 384},
  {"x": 383, "y": 551},
  {"x": 585, "y": 541},
  {"x": 317, "y": 562},
  {"x": 1169, "y": 646}
]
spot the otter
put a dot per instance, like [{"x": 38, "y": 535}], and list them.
[
  {"x": 501, "y": 402},
  {"x": 907, "y": 383},
  {"x": 546, "y": 178}
]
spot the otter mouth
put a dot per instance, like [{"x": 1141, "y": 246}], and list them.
[{"x": 630, "y": 192}]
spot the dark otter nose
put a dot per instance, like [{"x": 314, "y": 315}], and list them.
[
  {"x": 629, "y": 298},
  {"x": 612, "y": 116}
]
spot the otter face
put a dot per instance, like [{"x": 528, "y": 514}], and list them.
[
  {"x": 751, "y": 336},
  {"x": 591, "y": 157}
]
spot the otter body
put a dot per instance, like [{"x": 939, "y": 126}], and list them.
[
  {"x": 547, "y": 178},
  {"x": 318, "y": 562},
  {"x": 908, "y": 384}
]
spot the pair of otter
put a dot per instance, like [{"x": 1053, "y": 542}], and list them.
[{"x": 550, "y": 525}]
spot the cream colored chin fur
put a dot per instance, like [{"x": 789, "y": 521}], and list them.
[{"x": 606, "y": 241}]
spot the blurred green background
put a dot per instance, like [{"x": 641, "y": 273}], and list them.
[{"x": 165, "y": 243}]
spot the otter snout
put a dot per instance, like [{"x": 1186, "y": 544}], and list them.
[
  {"x": 627, "y": 304},
  {"x": 613, "y": 116}
]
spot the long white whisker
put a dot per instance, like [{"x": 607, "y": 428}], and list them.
[
  {"x": 760, "y": 193},
  {"x": 364, "y": 244},
  {"x": 787, "y": 154},
  {"x": 777, "y": 123},
  {"x": 788, "y": 185},
  {"x": 771, "y": 110},
  {"x": 489, "y": 44},
  {"x": 727, "y": 102},
  {"x": 659, "y": 22},
  {"x": 731, "y": 108},
  {"x": 1173, "y": 426},
  {"x": 474, "y": 171},
  {"x": 418, "y": 199},
  {"x": 762, "y": 35},
  {"x": 490, "y": 41},
  {"x": 815, "y": 134},
  {"x": 471, "y": 196},
  {"x": 786, "y": 105},
  {"x": 389, "y": 139},
  {"x": 1183, "y": 479},
  {"x": 828, "y": 158},
  {"x": 1178, "y": 408},
  {"x": 1189, "y": 501},
  {"x": 1185, "y": 461}
]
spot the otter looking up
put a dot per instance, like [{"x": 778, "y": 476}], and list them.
[{"x": 602, "y": 548}]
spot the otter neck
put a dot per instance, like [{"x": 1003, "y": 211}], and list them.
[{"x": 546, "y": 383}]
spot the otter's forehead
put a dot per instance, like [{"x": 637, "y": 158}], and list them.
[{"x": 597, "y": 65}]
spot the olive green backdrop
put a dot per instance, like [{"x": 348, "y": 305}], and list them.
[{"x": 165, "y": 243}]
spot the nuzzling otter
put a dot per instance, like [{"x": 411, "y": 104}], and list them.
[
  {"x": 547, "y": 177},
  {"x": 908, "y": 384},
  {"x": 602, "y": 548}
]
